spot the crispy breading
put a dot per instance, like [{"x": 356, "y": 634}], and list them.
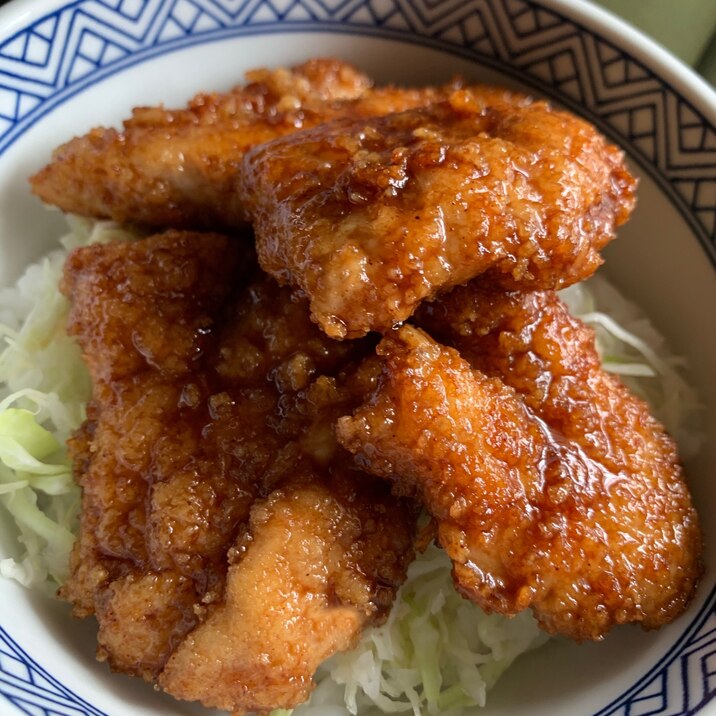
[
  {"x": 143, "y": 313},
  {"x": 530, "y": 515},
  {"x": 297, "y": 592},
  {"x": 214, "y": 398},
  {"x": 531, "y": 342},
  {"x": 229, "y": 540},
  {"x": 369, "y": 217},
  {"x": 178, "y": 168}
]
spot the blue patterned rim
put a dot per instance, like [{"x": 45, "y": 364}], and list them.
[
  {"x": 32, "y": 689},
  {"x": 46, "y": 63}
]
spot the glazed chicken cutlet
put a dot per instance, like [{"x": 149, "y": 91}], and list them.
[
  {"x": 175, "y": 167},
  {"x": 228, "y": 545},
  {"x": 551, "y": 485},
  {"x": 369, "y": 217},
  {"x": 179, "y": 168},
  {"x": 347, "y": 317}
]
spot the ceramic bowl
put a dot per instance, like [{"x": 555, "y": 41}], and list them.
[{"x": 68, "y": 66}]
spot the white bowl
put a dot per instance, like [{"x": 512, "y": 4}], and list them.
[{"x": 67, "y": 67}]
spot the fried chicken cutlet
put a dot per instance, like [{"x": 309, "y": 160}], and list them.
[
  {"x": 297, "y": 594},
  {"x": 369, "y": 217},
  {"x": 227, "y": 543},
  {"x": 561, "y": 493},
  {"x": 167, "y": 167},
  {"x": 178, "y": 168}
]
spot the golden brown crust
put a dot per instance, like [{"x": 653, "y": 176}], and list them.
[
  {"x": 143, "y": 313},
  {"x": 531, "y": 342},
  {"x": 213, "y": 393},
  {"x": 369, "y": 217},
  {"x": 178, "y": 168},
  {"x": 173, "y": 168},
  {"x": 297, "y": 592},
  {"x": 228, "y": 542},
  {"x": 528, "y": 517}
]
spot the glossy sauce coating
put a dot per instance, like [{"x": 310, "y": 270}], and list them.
[
  {"x": 530, "y": 341},
  {"x": 296, "y": 594},
  {"x": 369, "y": 217},
  {"x": 178, "y": 168},
  {"x": 527, "y": 515},
  {"x": 210, "y": 443},
  {"x": 228, "y": 542}
]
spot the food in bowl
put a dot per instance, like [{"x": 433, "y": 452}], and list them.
[{"x": 209, "y": 436}]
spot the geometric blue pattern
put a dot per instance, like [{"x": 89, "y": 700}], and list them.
[
  {"x": 57, "y": 56},
  {"x": 32, "y": 690},
  {"x": 684, "y": 680}
]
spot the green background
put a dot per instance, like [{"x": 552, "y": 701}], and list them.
[{"x": 686, "y": 27}]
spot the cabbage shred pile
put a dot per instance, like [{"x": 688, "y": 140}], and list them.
[{"x": 437, "y": 653}]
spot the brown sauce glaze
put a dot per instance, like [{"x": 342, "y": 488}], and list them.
[
  {"x": 214, "y": 398},
  {"x": 368, "y": 217},
  {"x": 527, "y": 515}
]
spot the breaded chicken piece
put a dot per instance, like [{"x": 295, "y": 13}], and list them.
[
  {"x": 212, "y": 389},
  {"x": 527, "y": 515},
  {"x": 177, "y": 168},
  {"x": 297, "y": 592},
  {"x": 369, "y": 217},
  {"x": 144, "y": 313},
  {"x": 531, "y": 342}
]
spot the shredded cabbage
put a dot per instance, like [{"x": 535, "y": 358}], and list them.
[
  {"x": 44, "y": 388},
  {"x": 437, "y": 653}
]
